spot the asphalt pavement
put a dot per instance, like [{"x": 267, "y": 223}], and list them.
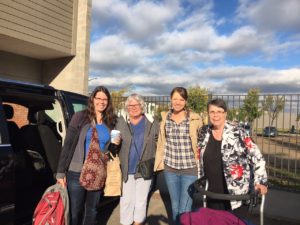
[{"x": 279, "y": 210}]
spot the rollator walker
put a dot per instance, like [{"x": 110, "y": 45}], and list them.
[{"x": 252, "y": 199}]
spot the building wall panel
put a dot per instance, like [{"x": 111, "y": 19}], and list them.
[
  {"x": 35, "y": 30},
  {"x": 55, "y": 26},
  {"x": 45, "y": 8},
  {"x": 17, "y": 31},
  {"x": 50, "y": 22},
  {"x": 38, "y": 14},
  {"x": 54, "y": 6},
  {"x": 16, "y": 67}
]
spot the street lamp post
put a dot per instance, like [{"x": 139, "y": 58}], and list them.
[{"x": 93, "y": 78}]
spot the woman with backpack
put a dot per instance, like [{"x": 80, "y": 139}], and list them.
[{"x": 89, "y": 130}]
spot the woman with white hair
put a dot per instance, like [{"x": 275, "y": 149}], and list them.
[{"x": 139, "y": 134}]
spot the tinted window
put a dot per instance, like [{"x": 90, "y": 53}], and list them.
[
  {"x": 270, "y": 128},
  {"x": 78, "y": 107},
  {"x": 74, "y": 102}
]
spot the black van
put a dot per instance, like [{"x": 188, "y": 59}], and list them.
[{"x": 33, "y": 123}]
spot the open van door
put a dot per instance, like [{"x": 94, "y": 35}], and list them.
[
  {"x": 7, "y": 179},
  {"x": 73, "y": 103}
]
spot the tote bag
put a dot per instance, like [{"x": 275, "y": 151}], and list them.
[
  {"x": 93, "y": 173},
  {"x": 113, "y": 182}
]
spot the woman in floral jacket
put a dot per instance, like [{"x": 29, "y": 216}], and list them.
[{"x": 229, "y": 159}]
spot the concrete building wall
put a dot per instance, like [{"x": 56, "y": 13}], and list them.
[
  {"x": 17, "y": 67},
  {"x": 74, "y": 76},
  {"x": 46, "y": 42},
  {"x": 44, "y": 23}
]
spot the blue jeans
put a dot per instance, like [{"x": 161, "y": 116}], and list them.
[
  {"x": 83, "y": 203},
  {"x": 179, "y": 187}
]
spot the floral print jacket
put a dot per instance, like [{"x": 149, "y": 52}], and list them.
[{"x": 241, "y": 158}]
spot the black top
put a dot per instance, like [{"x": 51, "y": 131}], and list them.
[{"x": 213, "y": 169}]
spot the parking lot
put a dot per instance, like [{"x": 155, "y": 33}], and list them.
[
  {"x": 281, "y": 151},
  {"x": 159, "y": 214}
]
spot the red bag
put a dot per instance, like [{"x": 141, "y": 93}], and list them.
[
  {"x": 207, "y": 216},
  {"x": 53, "y": 208}
]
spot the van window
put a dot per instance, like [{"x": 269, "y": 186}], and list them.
[
  {"x": 74, "y": 102},
  {"x": 78, "y": 107},
  {"x": 78, "y": 103}
]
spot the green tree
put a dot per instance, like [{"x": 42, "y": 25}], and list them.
[
  {"x": 160, "y": 109},
  {"x": 241, "y": 115},
  {"x": 118, "y": 99},
  {"x": 251, "y": 108},
  {"x": 233, "y": 114},
  {"x": 197, "y": 101},
  {"x": 273, "y": 105},
  {"x": 298, "y": 118}
]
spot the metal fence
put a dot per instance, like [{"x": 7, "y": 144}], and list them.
[{"x": 280, "y": 144}]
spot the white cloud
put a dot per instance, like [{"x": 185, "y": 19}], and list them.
[
  {"x": 278, "y": 81},
  {"x": 272, "y": 14},
  {"x": 156, "y": 45},
  {"x": 218, "y": 80},
  {"x": 138, "y": 21},
  {"x": 242, "y": 41},
  {"x": 113, "y": 53}
]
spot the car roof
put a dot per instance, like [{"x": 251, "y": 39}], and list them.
[
  {"x": 12, "y": 84},
  {"x": 26, "y": 94}
]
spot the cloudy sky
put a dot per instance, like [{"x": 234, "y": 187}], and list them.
[{"x": 226, "y": 46}]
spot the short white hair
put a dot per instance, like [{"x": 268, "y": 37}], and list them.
[{"x": 137, "y": 98}]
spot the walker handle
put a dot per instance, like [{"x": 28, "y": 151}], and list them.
[{"x": 198, "y": 184}]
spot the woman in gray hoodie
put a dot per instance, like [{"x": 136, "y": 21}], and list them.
[{"x": 139, "y": 135}]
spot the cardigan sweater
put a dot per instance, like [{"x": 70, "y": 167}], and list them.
[
  {"x": 72, "y": 155},
  {"x": 241, "y": 158},
  {"x": 149, "y": 145}
]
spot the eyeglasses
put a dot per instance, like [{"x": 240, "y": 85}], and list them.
[
  {"x": 215, "y": 113},
  {"x": 101, "y": 99},
  {"x": 133, "y": 106}
]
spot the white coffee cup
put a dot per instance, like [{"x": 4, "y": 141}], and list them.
[{"x": 114, "y": 134}]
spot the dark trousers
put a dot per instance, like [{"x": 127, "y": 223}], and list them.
[{"x": 83, "y": 203}]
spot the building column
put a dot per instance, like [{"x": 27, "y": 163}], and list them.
[{"x": 71, "y": 73}]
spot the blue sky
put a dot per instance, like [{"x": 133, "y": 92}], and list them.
[{"x": 226, "y": 46}]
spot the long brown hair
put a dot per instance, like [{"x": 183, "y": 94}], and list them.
[
  {"x": 108, "y": 116},
  {"x": 181, "y": 91}
]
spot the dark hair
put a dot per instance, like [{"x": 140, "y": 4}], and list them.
[
  {"x": 181, "y": 91},
  {"x": 217, "y": 102},
  {"x": 108, "y": 116}
]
